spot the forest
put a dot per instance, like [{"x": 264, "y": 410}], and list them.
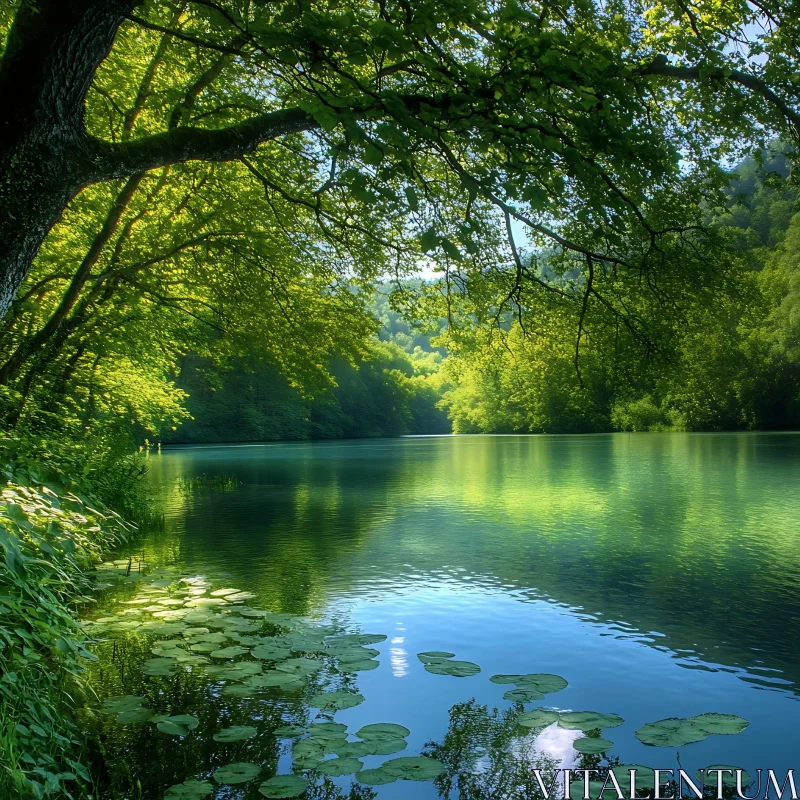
[
  {"x": 232, "y": 220},
  {"x": 732, "y": 365}
]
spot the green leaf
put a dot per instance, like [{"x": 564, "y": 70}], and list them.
[
  {"x": 411, "y": 198},
  {"x": 451, "y": 249},
  {"x": 428, "y": 240}
]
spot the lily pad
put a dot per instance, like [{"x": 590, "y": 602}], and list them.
[
  {"x": 356, "y": 638},
  {"x": 335, "y": 701},
  {"x": 538, "y": 718},
  {"x": 320, "y": 730},
  {"x": 523, "y": 695},
  {"x": 269, "y": 652},
  {"x": 210, "y": 638},
  {"x": 382, "y": 730},
  {"x": 671, "y": 732},
  {"x": 544, "y": 682},
  {"x": 117, "y": 705},
  {"x": 530, "y": 685},
  {"x": 158, "y": 667},
  {"x": 384, "y": 747},
  {"x": 237, "y": 773},
  {"x": 196, "y": 617},
  {"x": 229, "y": 652},
  {"x": 506, "y": 679},
  {"x": 591, "y": 746},
  {"x": 177, "y": 725},
  {"x": 234, "y": 672},
  {"x": 300, "y": 666},
  {"x": 204, "y": 647},
  {"x": 337, "y": 767},
  {"x": 308, "y": 747},
  {"x": 457, "y": 669},
  {"x": 135, "y": 716},
  {"x": 588, "y": 720},
  {"x": 376, "y": 777},
  {"x": 307, "y": 644},
  {"x": 236, "y": 733},
  {"x": 163, "y": 628},
  {"x": 414, "y": 768},
  {"x": 347, "y": 749},
  {"x": 432, "y": 656},
  {"x": 726, "y": 724},
  {"x": 246, "y": 611},
  {"x": 205, "y": 602},
  {"x": 577, "y": 789},
  {"x": 728, "y": 778},
  {"x": 239, "y": 596},
  {"x": 365, "y": 665},
  {"x": 189, "y": 790},
  {"x": 274, "y": 678},
  {"x": 645, "y": 777},
  {"x": 223, "y": 592},
  {"x": 282, "y": 786},
  {"x": 351, "y": 653}
]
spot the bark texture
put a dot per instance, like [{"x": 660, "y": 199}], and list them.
[
  {"x": 51, "y": 56},
  {"x": 46, "y": 154}
]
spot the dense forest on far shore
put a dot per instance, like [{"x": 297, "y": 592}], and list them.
[{"x": 733, "y": 366}]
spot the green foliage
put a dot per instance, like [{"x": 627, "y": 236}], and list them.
[
  {"x": 722, "y": 359},
  {"x": 387, "y": 392},
  {"x": 643, "y": 414},
  {"x": 49, "y": 540}
]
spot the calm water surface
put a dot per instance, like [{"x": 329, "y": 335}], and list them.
[{"x": 658, "y": 573}]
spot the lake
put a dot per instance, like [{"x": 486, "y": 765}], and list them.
[{"x": 658, "y": 574}]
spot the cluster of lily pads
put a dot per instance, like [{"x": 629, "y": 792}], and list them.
[
  {"x": 250, "y": 650},
  {"x": 132, "y": 709},
  {"x": 215, "y": 630},
  {"x": 324, "y": 739},
  {"x": 680, "y": 731},
  {"x": 439, "y": 662},
  {"x": 530, "y": 688}
]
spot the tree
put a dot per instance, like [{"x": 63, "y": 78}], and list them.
[{"x": 582, "y": 121}]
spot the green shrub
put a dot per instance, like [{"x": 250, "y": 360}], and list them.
[
  {"x": 50, "y": 538},
  {"x": 644, "y": 414}
]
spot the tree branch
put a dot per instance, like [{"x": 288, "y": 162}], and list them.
[
  {"x": 107, "y": 160},
  {"x": 661, "y": 66}
]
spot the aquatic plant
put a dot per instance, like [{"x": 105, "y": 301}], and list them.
[{"x": 678, "y": 731}]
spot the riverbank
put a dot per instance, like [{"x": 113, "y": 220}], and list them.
[{"x": 51, "y": 538}]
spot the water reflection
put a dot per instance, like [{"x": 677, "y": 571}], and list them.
[
  {"x": 690, "y": 537},
  {"x": 655, "y": 572}
]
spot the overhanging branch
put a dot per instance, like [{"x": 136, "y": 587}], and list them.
[
  {"x": 661, "y": 66},
  {"x": 107, "y": 161}
]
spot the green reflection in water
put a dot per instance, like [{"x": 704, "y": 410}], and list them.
[
  {"x": 694, "y": 536},
  {"x": 689, "y": 536}
]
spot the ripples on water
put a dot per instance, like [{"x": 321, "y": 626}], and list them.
[{"x": 657, "y": 573}]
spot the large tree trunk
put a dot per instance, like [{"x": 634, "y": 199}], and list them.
[{"x": 51, "y": 56}]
